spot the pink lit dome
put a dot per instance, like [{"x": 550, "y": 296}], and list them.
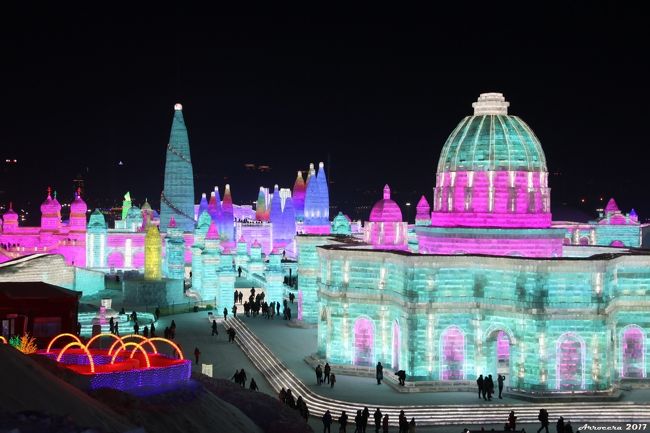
[
  {"x": 78, "y": 205},
  {"x": 50, "y": 206},
  {"x": 11, "y": 213},
  {"x": 492, "y": 172},
  {"x": 386, "y": 210}
]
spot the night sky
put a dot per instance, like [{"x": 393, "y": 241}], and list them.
[{"x": 373, "y": 95}]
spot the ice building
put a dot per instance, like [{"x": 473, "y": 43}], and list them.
[
  {"x": 493, "y": 289},
  {"x": 317, "y": 202},
  {"x": 177, "y": 197}
]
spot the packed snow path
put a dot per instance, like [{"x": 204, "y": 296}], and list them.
[{"x": 279, "y": 376}]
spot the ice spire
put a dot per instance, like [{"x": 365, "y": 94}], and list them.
[
  {"x": 261, "y": 213},
  {"x": 214, "y": 207},
  {"x": 177, "y": 197},
  {"x": 276, "y": 206},
  {"x": 203, "y": 205},
  {"x": 423, "y": 212},
  {"x": 227, "y": 223},
  {"x": 299, "y": 196},
  {"x": 317, "y": 202}
]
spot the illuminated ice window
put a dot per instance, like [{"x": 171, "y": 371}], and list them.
[
  {"x": 363, "y": 342},
  {"x": 452, "y": 356},
  {"x": 570, "y": 359},
  {"x": 633, "y": 353}
]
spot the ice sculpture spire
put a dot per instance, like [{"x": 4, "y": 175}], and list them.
[
  {"x": 317, "y": 202},
  {"x": 261, "y": 213},
  {"x": 203, "y": 205},
  {"x": 152, "y": 253},
  {"x": 126, "y": 204},
  {"x": 177, "y": 197},
  {"x": 227, "y": 222},
  {"x": 214, "y": 207},
  {"x": 423, "y": 212},
  {"x": 299, "y": 196},
  {"x": 276, "y": 206}
]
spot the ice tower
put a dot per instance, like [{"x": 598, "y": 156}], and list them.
[
  {"x": 203, "y": 205},
  {"x": 50, "y": 213},
  {"x": 177, "y": 198},
  {"x": 227, "y": 220},
  {"x": 317, "y": 202},
  {"x": 423, "y": 213},
  {"x": 174, "y": 252},
  {"x": 385, "y": 228},
  {"x": 152, "y": 254},
  {"x": 126, "y": 204},
  {"x": 299, "y": 197},
  {"x": 261, "y": 213}
]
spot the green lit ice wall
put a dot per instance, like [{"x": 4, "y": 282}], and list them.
[{"x": 440, "y": 317}]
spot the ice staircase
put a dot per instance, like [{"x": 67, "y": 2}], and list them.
[{"x": 279, "y": 376}]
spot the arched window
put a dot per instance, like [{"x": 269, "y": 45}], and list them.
[
  {"x": 633, "y": 352},
  {"x": 364, "y": 342},
  {"x": 570, "y": 362},
  {"x": 115, "y": 260},
  {"x": 452, "y": 354}
]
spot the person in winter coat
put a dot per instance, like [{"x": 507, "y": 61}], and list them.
[
  {"x": 343, "y": 422},
  {"x": 327, "y": 422},
  {"x": 379, "y": 373}
]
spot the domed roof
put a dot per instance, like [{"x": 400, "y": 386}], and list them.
[
  {"x": 50, "y": 205},
  {"x": 492, "y": 140},
  {"x": 386, "y": 210},
  {"x": 10, "y": 213},
  {"x": 78, "y": 205}
]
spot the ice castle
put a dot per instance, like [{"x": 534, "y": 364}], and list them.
[{"x": 490, "y": 285}]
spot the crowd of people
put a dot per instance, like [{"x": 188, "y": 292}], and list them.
[
  {"x": 256, "y": 306},
  {"x": 286, "y": 397},
  {"x": 361, "y": 419},
  {"x": 486, "y": 386},
  {"x": 325, "y": 375}
]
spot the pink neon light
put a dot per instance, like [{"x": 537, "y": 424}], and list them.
[{"x": 363, "y": 342}]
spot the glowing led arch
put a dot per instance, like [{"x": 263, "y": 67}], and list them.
[
  {"x": 123, "y": 339},
  {"x": 49, "y": 346},
  {"x": 84, "y": 348},
  {"x": 171, "y": 343},
  {"x": 136, "y": 347},
  {"x": 3, "y": 339},
  {"x": 104, "y": 334}
]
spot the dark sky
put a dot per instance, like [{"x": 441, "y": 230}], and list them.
[{"x": 375, "y": 94}]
